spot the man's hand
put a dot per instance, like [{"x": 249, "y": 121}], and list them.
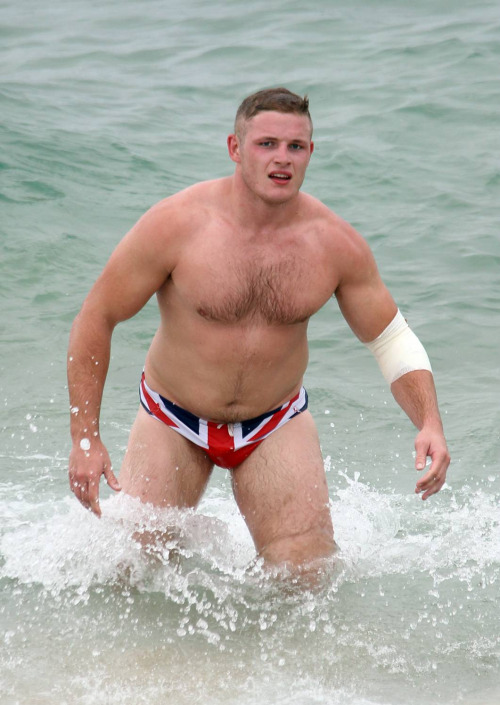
[
  {"x": 86, "y": 465},
  {"x": 430, "y": 442}
]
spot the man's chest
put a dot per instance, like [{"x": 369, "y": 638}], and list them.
[{"x": 278, "y": 285}]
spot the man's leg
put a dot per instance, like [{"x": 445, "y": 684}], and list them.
[
  {"x": 161, "y": 466},
  {"x": 281, "y": 491}
]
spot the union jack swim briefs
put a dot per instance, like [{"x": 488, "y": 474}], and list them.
[{"x": 226, "y": 444}]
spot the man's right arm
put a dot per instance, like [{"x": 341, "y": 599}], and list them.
[
  {"x": 88, "y": 360},
  {"x": 138, "y": 267}
]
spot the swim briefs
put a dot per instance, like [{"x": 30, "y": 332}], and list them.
[{"x": 226, "y": 444}]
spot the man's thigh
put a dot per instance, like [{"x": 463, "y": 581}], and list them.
[
  {"x": 161, "y": 466},
  {"x": 281, "y": 491}
]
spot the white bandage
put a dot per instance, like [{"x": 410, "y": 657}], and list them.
[{"x": 398, "y": 350}]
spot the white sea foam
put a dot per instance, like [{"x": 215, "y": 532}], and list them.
[
  {"x": 195, "y": 595},
  {"x": 379, "y": 535},
  {"x": 192, "y": 598}
]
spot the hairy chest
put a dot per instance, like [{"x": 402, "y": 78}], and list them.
[{"x": 278, "y": 285}]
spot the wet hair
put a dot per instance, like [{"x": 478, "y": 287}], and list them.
[{"x": 280, "y": 100}]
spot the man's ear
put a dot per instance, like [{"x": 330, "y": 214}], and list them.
[{"x": 233, "y": 147}]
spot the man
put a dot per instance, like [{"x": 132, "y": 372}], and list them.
[{"x": 239, "y": 265}]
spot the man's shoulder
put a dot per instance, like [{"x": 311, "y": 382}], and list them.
[
  {"x": 185, "y": 208},
  {"x": 197, "y": 194},
  {"x": 337, "y": 235},
  {"x": 329, "y": 221}
]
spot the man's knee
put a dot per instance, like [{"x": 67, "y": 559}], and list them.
[{"x": 300, "y": 549}]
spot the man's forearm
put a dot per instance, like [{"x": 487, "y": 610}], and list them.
[
  {"x": 406, "y": 367},
  {"x": 416, "y": 395},
  {"x": 88, "y": 361}
]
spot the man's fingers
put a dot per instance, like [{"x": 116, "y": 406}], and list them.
[
  {"x": 85, "y": 470},
  {"x": 431, "y": 482},
  {"x": 87, "y": 493},
  {"x": 82, "y": 492},
  {"x": 420, "y": 461},
  {"x": 111, "y": 479},
  {"x": 430, "y": 488},
  {"x": 422, "y": 451},
  {"x": 431, "y": 445},
  {"x": 93, "y": 496},
  {"x": 95, "y": 507}
]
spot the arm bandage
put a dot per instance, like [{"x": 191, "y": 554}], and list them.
[{"x": 398, "y": 350}]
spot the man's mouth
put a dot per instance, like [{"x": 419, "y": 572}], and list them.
[{"x": 280, "y": 177}]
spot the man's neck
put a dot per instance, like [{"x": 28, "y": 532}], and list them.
[{"x": 255, "y": 213}]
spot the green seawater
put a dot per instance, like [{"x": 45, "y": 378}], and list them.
[{"x": 107, "y": 107}]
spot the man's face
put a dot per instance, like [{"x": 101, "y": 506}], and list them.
[{"x": 272, "y": 151}]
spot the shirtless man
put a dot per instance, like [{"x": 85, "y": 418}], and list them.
[{"x": 239, "y": 265}]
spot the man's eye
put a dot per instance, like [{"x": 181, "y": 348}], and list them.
[
  {"x": 296, "y": 147},
  {"x": 267, "y": 143}
]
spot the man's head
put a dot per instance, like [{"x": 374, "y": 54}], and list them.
[
  {"x": 279, "y": 100},
  {"x": 271, "y": 144}
]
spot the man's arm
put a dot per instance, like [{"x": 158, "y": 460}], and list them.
[
  {"x": 372, "y": 314},
  {"x": 416, "y": 395},
  {"x": 88, "y": 360},
  {"x": 137, "y": 268}
]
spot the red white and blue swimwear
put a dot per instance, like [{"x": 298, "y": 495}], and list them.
[{"x": 226, "y": 444}]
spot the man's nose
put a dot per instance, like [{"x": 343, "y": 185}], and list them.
[{"x": 281, "y": 155}]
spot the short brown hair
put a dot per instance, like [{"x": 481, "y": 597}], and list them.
[{"x": 280, "y": 100}]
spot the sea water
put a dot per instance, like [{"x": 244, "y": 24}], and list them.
[{"x": 107, "y": 107}]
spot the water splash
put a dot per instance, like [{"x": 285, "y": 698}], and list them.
[{"x": 393, "y": 605}]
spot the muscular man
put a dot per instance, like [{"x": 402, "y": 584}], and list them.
[{"x": 239, "y": 265}]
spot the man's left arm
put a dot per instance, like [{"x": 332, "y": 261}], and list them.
[
  {"x": 370, "y": 311},
  {"x": 416, "y": 394}
]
